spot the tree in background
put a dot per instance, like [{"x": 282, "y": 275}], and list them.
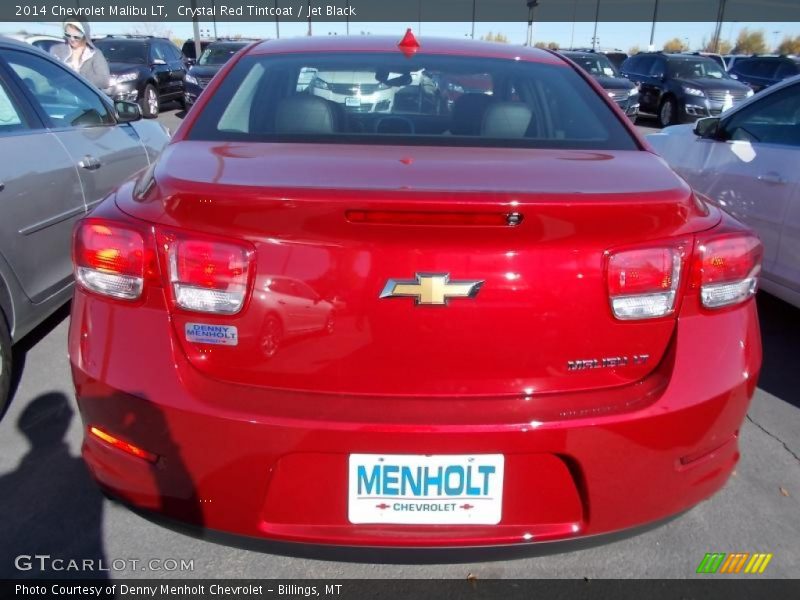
[
  {"x": 634, "y": 50},
  {"x": 675, "y": 45},
  {"x": 789, "y": 45},
  {"x": 548, "y": 45},
  {"x": 725, "y": 46},
  {"x": 495, "y": 37},
  {"x": 153, "y": 29},
  {"x": 750, "y": 42}
]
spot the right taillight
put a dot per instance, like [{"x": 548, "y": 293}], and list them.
[{"x": 727, "y": 268}]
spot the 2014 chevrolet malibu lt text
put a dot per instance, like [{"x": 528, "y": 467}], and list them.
[{"x": 497, "y": 320}]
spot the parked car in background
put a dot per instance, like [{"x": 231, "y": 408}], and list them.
[
  {"x": 356, "y": 91},
  {"x": 730, "y": 59},
  {"x": 616, "y": 56},
  {"x": 520, "y": 325},
  {"x": 211, "y": 60},
  {"x": 144, "y": 69},
  {"x": 681, "y": 87},
  {"x": 760, "y": 72},
  {"x": 64, "y": 147},
  {"x": 747, "y": 162},
  {"x": 189, "y": 51},
  {"x": 43, "y": 42},
  {"x": 717, "y": 58},
  {"x": 619, "y": 89}
]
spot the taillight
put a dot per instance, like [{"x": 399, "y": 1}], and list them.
[
  {"x": 208, "y": 275},
  {"x": 727, "y": 269},
  {"x": 643, "y": 282},
  {"x": 109, "y": 259}
]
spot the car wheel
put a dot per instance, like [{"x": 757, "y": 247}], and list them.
[
  {"x": 150, "y": 102},
  {"x": 668, "y": 113},
  {"x": 5, "y": 365},
  {"x": 271, "y": 336}
]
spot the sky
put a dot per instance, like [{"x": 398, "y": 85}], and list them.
[{"x": 610, "y": 35}]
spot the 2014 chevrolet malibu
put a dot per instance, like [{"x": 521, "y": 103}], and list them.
[{"x": 503, "y": 321}]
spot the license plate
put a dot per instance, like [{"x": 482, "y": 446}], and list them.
[
  {"x": 352, "y": 101},
  {"x": 425, "y": 490}
]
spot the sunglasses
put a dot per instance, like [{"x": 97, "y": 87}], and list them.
[{"x": 73, "y": 37}]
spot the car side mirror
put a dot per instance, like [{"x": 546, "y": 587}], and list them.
[
  {"x": 127, "y": 112},
  {"x": 707, "y": 128},
  {"x": 159, "y": 62}
]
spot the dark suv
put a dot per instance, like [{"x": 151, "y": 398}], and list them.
[
  {"x": 619, "y": 89},
  {"x": 763, "y": 71},
  {"x": 147, "y": 70},
  {"x": 680, "y": 88}
]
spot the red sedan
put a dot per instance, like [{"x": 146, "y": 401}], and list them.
[{"x": 502, "y": 320}]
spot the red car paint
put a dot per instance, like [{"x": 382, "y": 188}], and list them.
[{"x": 254, "y": 439}]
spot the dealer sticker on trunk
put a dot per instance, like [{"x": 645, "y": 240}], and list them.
[
  {"x": 220, "y": 335},
  {"x": 425, "y": 490}
]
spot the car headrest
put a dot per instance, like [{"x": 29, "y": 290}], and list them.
[
  {"x": 468, "y": 111},
  {"x": 304, "y": 113},
  {"x": 506, "y": 120}
]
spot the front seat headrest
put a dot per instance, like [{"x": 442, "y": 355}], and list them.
[
  {"x": 304, "y": 113},
  {"x": 506, "y": 120},
  {"x": 468, "y": 111}
]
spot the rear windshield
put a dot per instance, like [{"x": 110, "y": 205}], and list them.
[{"x": 424, "y": 100}]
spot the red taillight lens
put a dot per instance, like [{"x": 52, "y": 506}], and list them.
[
  {"x": 109, "y": 259},
  {"x": 727, "y": 269},
  {"x": 208, "y": 275},
  {"x": 643, "y": 282}
]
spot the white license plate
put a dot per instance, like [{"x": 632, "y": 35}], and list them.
[
  {"x": 425, "y": 490},
  {"x": 352, "y": 101}
]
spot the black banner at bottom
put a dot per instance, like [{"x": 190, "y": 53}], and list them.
[{"x": 202, "y": 589}]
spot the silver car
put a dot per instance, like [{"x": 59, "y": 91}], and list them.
[
  {"x": 63, "y": 148},
  {"x": 748, "y": 163}
]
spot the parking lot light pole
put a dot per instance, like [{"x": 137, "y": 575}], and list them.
[
  {"x": 596, "y": 18},
  {"x": 531, "y": 5},
  {"x": 652, "y": 46}
]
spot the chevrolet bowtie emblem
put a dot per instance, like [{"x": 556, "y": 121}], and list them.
[{"x": 431, "y": 288}]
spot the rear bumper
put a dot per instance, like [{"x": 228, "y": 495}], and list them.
[{"x": 273, "y": 465}]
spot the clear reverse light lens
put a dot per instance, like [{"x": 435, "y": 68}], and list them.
[
  {"x": 117, "y": 286},
  {"x": 724, "y": 294}
]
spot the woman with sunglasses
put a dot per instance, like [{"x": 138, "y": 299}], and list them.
[{"x": 80, "y": 54}]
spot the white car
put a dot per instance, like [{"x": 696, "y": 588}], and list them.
[
  {"x": 43, "y": 42},
  {"x": 748, "y": 163},
  {"x": 357, "y": 91}
]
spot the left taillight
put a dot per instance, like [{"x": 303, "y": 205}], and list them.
[
  {"x": 110, "y": 259},
  {"x": 643, "y": 282},
  {"x": 207, "y": 275}
]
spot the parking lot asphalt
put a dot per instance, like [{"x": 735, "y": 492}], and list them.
[{"x": 50, "y": 506}]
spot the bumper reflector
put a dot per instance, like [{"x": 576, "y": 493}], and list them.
[{"x": 123, "y": 445}]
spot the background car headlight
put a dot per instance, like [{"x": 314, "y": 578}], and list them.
[
  {"x": 191, "y": 79},
  {"x": 319, "y": 84},
  {"x": 123, "y": 78},
  {"x": 693, "y": 91},
  {"x": 632, "y": 92},
  {"x": 749, "y": 93}
]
